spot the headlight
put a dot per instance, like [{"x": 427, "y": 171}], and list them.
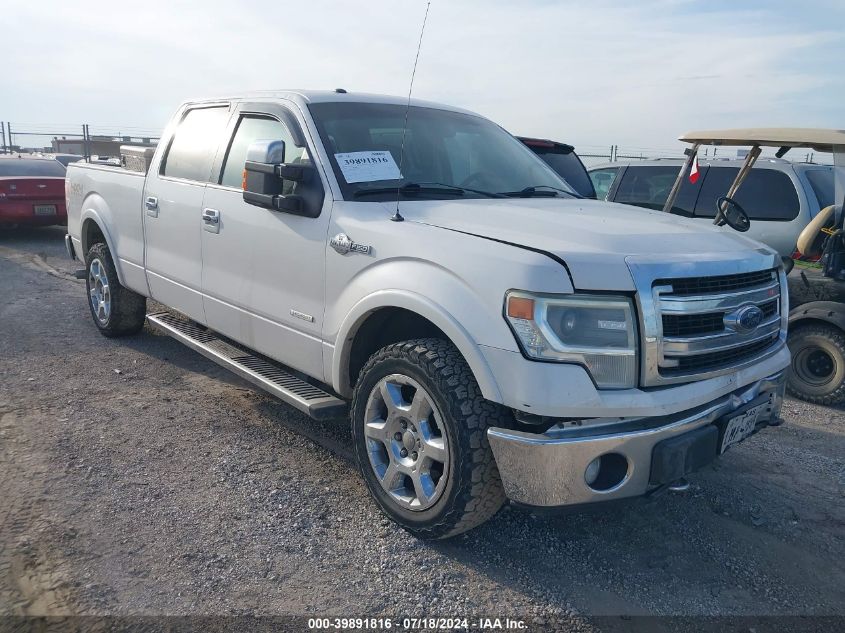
[{"x": 595, "y": 331}]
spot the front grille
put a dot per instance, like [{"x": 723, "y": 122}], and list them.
[
  {"x": 769, "y": 309},
  {"x": 676, "y": 325},
  {"x": 718, "y": 284},
  {"x": 726, "y": 358},
  {"x": 699, "y": 326},
  {"x": 692, "y": 324}
]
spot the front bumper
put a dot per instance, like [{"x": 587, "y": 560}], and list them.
[{"x": 549, "y": 469}]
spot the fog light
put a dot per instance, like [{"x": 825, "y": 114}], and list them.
[
  {"x": 606, "y": 472},
  {"x": 592, "y": 471}
]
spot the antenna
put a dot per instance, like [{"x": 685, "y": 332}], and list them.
[{"x": 397, "y": 217}]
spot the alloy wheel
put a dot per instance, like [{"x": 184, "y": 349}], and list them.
[
  {"x": 98, "y": 291},
  {"x": 406, "y": 442}
]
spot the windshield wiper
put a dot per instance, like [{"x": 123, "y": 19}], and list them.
[
  {"x": 480, "y": 192},
  {"x": 425, "y": 188},
  {"x": 540, "y": 191}
]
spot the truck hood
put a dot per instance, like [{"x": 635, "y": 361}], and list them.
[{"x": 592, "y": 238}]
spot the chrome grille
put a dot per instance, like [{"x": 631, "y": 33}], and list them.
[
  {"x": 710, "y": 323},
  {"x": 719, "y": 283},
  {"x": 715, "y": 360},
  {"x": 690, "y": 324}
]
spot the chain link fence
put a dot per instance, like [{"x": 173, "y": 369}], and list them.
[
  {"x": 105, "y": 140},
  {"x": 80, "y": 139}
]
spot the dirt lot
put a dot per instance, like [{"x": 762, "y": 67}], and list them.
[{"x": 137, "y": 478}]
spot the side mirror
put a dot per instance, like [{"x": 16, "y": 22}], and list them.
[{"x": 264, "y": 177}]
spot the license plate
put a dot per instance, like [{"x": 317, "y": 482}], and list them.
[
  {"x": 740, "y": 427},
  {"x": 45, "y": 209}
]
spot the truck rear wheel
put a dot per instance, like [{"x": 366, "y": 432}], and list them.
[
  {"x": 117, "y": 311},
  {"x": 818, "y": 364},
  {"x": 419, "y": 427}
]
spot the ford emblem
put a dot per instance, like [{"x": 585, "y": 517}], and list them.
[{"x": 745, "y": 319}]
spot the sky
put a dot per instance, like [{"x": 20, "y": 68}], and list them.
[{"x": 591, "y": 73}]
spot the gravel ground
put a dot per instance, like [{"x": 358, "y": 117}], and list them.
[{"x": 138, "y": 478}]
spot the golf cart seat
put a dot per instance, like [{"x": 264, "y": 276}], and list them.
[{"x": 811, "y": 239}]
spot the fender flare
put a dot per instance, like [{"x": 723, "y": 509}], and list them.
[
  {"x": 426, "y": 308},
  {"x": 91, "y": 214},
  {"x": 831, "y": 312}
]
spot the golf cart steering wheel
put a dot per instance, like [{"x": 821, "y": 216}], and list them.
[{"x": 733, "y": 215}]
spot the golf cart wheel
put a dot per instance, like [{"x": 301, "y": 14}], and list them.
[{"x": 818, "y": 364}]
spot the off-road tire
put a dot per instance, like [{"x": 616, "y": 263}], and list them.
[
  {"x": 128, "y": 308},
  {"x": 473, "y": 492},
  {"x": 829, "y": 339}
]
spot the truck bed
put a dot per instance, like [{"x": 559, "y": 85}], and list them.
[{"x": 113, "y": 197}]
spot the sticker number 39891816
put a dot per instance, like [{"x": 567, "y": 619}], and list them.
[{"x": 367, "y": 166}]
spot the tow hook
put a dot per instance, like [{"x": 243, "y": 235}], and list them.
[{"x": 679, "y": 485}]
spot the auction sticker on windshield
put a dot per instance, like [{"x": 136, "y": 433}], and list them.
[{"x": 367, "y": 166}]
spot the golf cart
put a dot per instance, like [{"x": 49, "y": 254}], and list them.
[{"x": 817, "y": 316}]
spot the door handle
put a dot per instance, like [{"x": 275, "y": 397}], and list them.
[
  {"x": 152, "y": 206},
  {"x": 211, "y": 220}
]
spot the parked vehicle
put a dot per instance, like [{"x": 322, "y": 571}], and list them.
[
  {"x": 563, "y": 159},
  {"x": 105, "y": 160},
  {"x": 780, "y": 197},
  {"x": 817, "y": 320},
  {"x": 488, "y": 334},
  {"x": 66, "y": 159},
  {"x": 32, "y": 192}
]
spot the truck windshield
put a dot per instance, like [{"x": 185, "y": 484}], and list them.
[{"x": 443, "y": 150}]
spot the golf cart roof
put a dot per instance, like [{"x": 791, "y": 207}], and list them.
[{"x": 819, "y": 139}]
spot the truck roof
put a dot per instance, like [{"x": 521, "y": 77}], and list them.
[{"x": 304, "y": 97}]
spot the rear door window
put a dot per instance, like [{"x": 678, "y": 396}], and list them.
[
  {"x": 603, "y": 180},
  {"x": 194, "y": 145},
  {"x": 766, "y": 194},
  {"x": 649, "y": 186}
]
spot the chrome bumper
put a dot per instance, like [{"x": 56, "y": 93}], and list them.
[{"x": 549, "y": 469}]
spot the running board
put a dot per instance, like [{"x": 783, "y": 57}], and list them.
[{"x": 270, "y": 377}]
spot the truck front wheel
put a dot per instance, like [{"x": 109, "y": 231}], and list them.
[
  {"x": 818, "y": 364},
  {"x": 117, "y": 311},
  {"x": 419, "y": 426}
]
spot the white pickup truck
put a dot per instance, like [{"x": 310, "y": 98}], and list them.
[{"x": 416, "y": 268}]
